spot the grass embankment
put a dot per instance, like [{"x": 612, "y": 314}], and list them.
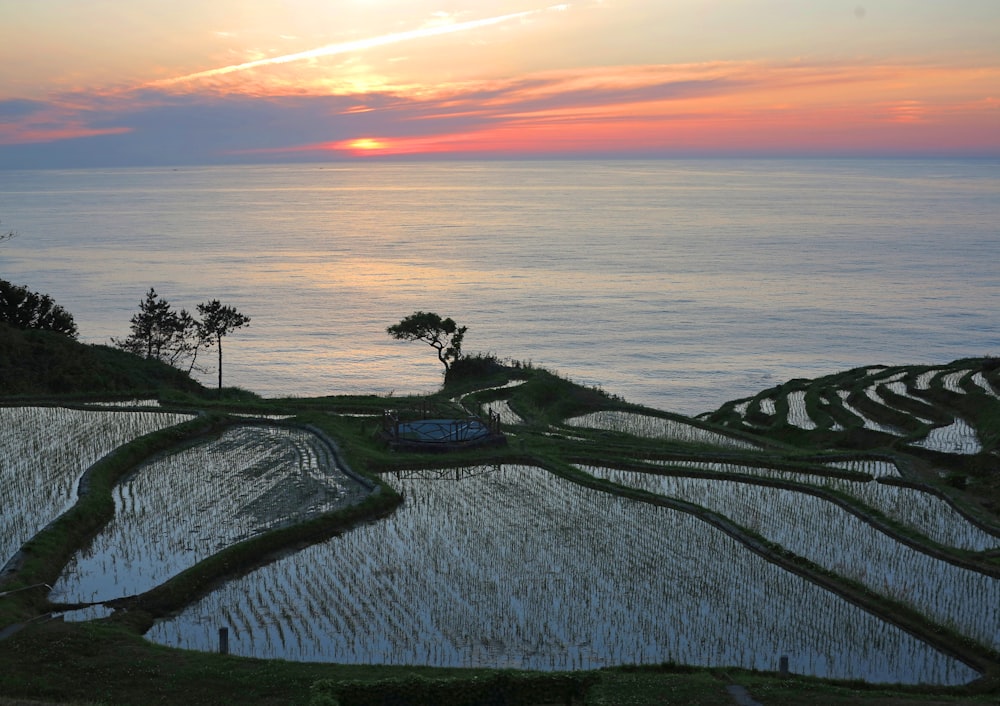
[
  {"x": 913, "y": 400},
  {"x": 35, "y": 363},
  {"x": 101, "y": 663},
  {"x": 109, "y": 662}
]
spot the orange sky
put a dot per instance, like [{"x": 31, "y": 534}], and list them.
[{"x": 227, "y": 81}]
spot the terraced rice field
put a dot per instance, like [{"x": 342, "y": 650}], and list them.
[
  {"x": 921, "y": 511},
  {"x": 652, "y": 427},
  {"x": 511, "y": 566},
  {"x": 954, "y": 436},
  {"x": 46, "y": 451},
  {"x": 966, "y": 600},
  {"x": 515, "y": 566},
  {"x": 183, "y": 507}
]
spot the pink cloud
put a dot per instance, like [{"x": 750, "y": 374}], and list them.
[{"x": 718, "y": 107}]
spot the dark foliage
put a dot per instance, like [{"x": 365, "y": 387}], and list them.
[
  {"x": 22, "y": 308},
  {"x": 41, "y": 362},
  {"x": 444, "y": 335},
  {"x": 158, "y": 332},
  {"x": 218, "y": 321},
  {"x": 501, "y": 689},
  {"x": 477, "y": 369}
]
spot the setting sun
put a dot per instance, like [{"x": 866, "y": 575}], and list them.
[
  {"x": 366, "y": 144},
  {"x": 314, "y": 80}
]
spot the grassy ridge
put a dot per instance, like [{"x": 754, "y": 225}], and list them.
[
  {"x": 108, "y": 661},
  {"x": 43, "y": 363}
]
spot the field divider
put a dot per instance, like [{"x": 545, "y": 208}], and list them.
[
  {"x": 243, "y": 557},
  {"x": 42, "y": 558},
  {"x": 984, "y": 660},
  {"x": 847, "y": 503}
]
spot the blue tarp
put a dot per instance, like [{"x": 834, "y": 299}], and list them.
[{"x": 443, "y": 430}]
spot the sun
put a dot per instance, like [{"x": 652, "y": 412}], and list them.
[{"x": 366, "y": 144}]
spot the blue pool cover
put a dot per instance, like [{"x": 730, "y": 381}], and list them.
[{"x": 443, "y": 430}]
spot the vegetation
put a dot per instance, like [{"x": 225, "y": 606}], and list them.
[
  {"x": 158, "y": 332},
  {"x": 218, "y": 321},
  {"x": 444, "y": 335},
  {"x": 837, "y": 440},
  {"x": 22, "y": 308},
  {"x": 34, "y": 362}
]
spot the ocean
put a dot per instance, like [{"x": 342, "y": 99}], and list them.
[{"x": 677, "y": 284}]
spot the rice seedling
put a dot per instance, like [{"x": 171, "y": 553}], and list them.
[
  {"x": 183, "y": 507},
  {"x": 268, "y": 417},
  {"x": 797, "y": 414},
  {"x": 461, "y": 401},
  {"x": 743, "y": 469},
  {"x": 45, "y": 452},
  {"x": 875, "y": 467},
  {"x": 921, "y": 511},
  {"x": 924, "y": 512},
  {"x": 951, "y": 381},
  {"x": 923, "y": 381},
  {"x": 979, "y": 380},
  {"x": 957, "y": 438},
  {"x": 899, "y": 387},
  {"x": 125, "y": 403},
  {"x": 650, "y": 427},
  {"x": 507, "y": 415},
  {"x": 511, "y": 566},
  {"x": 868, "y": 423},
  {"x": 966, "y": 600}
]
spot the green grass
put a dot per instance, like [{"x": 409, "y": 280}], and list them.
[
  {"x": 108, "y": 662},
  {"x": 34, "y": 363}
]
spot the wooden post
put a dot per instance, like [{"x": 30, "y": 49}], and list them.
[
  {"x": 223, "y": 641},
  {"x": 783, "y": 667}
]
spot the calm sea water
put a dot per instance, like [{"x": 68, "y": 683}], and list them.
[{"x": 677, "y": 284}]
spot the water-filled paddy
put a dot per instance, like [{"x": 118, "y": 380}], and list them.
[
  {"x": 185, "y": 506},
  {"x": 828, "y": 535},
  {"x": 45, "y": 452},
  {"x": 513, "y": 566}
]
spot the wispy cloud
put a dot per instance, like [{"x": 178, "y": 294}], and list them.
[
  {"x": 432, "y": 30},
  {"x": 713, "y": 106}
]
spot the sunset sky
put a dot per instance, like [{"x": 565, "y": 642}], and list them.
[{"x": 148, "y": 82}]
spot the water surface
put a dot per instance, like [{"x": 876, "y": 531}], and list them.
[{"x": 678, "y": 284}]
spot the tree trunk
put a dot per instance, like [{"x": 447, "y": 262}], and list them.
[{"x": 218, "y": 342}]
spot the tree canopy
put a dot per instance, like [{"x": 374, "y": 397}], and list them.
[
  {"x": 444, "y": 335},
  {"x": 175, "y": 337},
  {"x": 22, "y": 308},
  {"x": 217, "y": 321},
  {"x": 159, "y": 332}
]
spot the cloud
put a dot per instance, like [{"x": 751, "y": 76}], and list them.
[
  {"x": 19, "y": 108},
  {"x": 431, "y": 30},
  {"x": 640, "y": 109}
]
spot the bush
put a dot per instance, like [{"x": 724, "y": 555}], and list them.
[
  {"x": 501, "y": 689},
  {"x": 22, "y": 308},
  {"x": 475, "y": 368}
]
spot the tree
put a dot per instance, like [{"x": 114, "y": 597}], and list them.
[
  {"x": 22, "y": 308},
  {"x": 442, "y": 334},
  {"x": 159, "y": 332},
  {"x": 218, "y": 321},
  {"x": 7, "y": 235}
]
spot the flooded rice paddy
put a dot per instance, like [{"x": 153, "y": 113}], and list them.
[{"x": 511, "y": 566}]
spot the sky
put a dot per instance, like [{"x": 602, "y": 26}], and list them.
[{"x": 95, "y": 83}]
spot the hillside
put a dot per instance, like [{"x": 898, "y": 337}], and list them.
[
  {"x": 865, "y": 500},
  {"x": 44, "y": 363}
]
